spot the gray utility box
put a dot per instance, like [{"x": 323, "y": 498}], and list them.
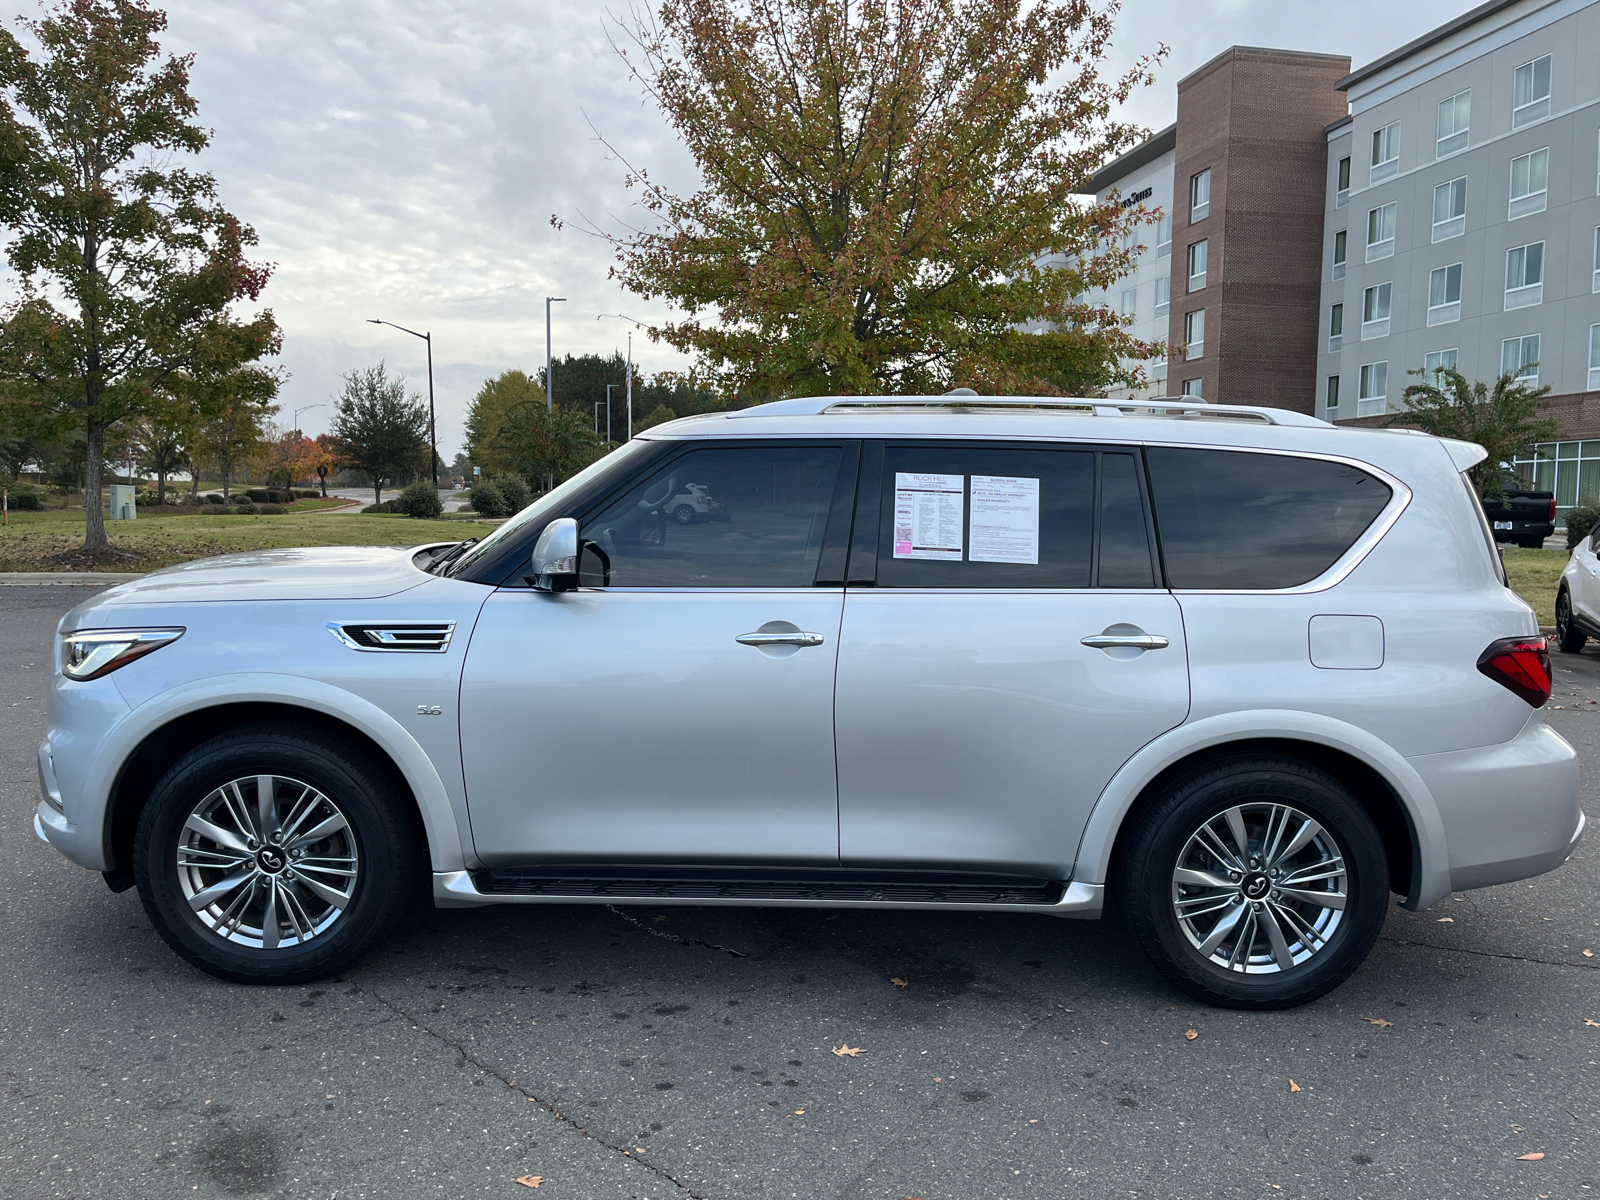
[{"x": 123, "y": 507}]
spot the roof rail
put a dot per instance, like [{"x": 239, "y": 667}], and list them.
[{"x": 1167, "y": 408}]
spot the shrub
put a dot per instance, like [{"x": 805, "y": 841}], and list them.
[
  {"x": 259, "y": 495},
  {"x": 147, "y": 497},
  {"x": 246, "y": 509},
  {"x": 517, "y": 494},
  {"x": 386, "y": 507},
  {"x": 488, "y": 499},
  {"x": 421, "y": 499},
  {"x": 1580, "y": 523},
  {"x": 270, "y": 495},
  {"x": 308, "y": 493},
  {"x": 215, "y": 498},
  {"x": 272, "y": 510},
  {"x": 191, "y": 498},
  {"x": 26, "y": 499}
]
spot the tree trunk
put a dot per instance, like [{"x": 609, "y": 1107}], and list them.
[
  {"x": 322, "y": 478},
  {"x": 222, "y": 469},
  {"x": 161, "y": 482},
  {"x": 377, "y": 490},
  {"x": 94, "y": 524}
]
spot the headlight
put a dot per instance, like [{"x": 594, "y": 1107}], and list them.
[{"x": 97, "y": 652}]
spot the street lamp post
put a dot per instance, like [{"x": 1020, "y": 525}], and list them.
[
  {"x": 609, "y": 386},
  {"x": 301, "y": 409},
  {"x": 629, "y": 376},
  {"x": 433, "y": 448},
  {"x": 549, "y": 365}
]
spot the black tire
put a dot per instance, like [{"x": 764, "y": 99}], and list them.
[
  {"x": 684, "y": 514},
  {"x": 385, "y": 849},
  {"x": 1531, "y": 543},
  {"x": 1569, "y": 637},
  {"x": 1147, "y": 891}
]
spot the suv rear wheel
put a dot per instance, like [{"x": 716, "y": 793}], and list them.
[
  {"x": 1255, "y": 882},
  {"x": 1568, "y": 636},
  {"x": 273, "y": 854}
]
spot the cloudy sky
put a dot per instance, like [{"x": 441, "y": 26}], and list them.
[{"x": 401, "y": 159}]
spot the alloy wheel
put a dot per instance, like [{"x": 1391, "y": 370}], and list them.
[
  {"x": 268, "y": 862},
  {"x": 1259, "y": 888}
]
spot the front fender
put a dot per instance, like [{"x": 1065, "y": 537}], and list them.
[
  {"x": 1430, "y": 881},
  {"x": 439, "y": 818}
]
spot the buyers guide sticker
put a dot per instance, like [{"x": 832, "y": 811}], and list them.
[
  {"x": 928, "y": 516},
  {"x": 1005, "y": 519}
]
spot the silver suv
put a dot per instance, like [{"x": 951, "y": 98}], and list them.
[{"x": 1239, "y": 672}]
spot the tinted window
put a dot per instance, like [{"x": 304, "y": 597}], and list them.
[
  {"x": 740, "y": 517},
  {"x": 981, "y": 517},
  {"x": 1233, "y": 520},
  {"x": 1124, "y": 534}
]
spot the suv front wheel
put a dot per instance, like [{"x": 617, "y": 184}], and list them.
[
  {"x": 1255, "y": 882},
  {"x": 1568, "y": 636},
  {"x": 273, "y": 854}
]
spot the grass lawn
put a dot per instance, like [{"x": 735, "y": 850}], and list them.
[
  {"x": 32, "y": 540},
  {"x": 1533, "y": 575}
]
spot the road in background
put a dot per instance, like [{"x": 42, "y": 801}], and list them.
[{"x": 690, "y": 1052}]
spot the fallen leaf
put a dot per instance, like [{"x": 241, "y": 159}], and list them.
[
  {"x": 1589, "y": 1021},
  {"x": 938, "y": 1079},
  {"x": 1379, "y": 1022},
  {"x": 329, "y": 1096},
  {"x": 835, "y": 917},
  {"x": 640, "y": 1149},
  {"x": 898, "y": 982},
  {"x": 1293, "y": 1086},
  {"x": 799, "y": 1112},
  {"x": 848, "y": 1051},
  {"x": 530, "y": 1180},
  {"x": 1276, "y": 1186},
  {"x": 1588, "y": 953},
  {"x": 1534, "y": 1157},
  {"x": 1447, "y": 920},
  {"x": 1191, "y": 1034},
  {"x": 658, "y": 920},
  {"x": 1033, "y": 1120}
]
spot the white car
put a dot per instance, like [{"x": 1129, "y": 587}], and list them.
[
  {"x": 1578, "y": 596},
  {"x": 1238, "y": 672}
]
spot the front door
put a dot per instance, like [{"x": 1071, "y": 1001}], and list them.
[
  {"x": 975, "y": 727},
  {"x": 678, "y": 707}
]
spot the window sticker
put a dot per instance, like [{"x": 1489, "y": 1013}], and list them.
[
  {"x": 928, "y": 515},
  {"x": 1005, "y": 519}
]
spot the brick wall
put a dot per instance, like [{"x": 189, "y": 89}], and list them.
[{"x": 1256, "y": 119}]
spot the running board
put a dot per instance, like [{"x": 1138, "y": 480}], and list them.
[{"x": 468, "y": 889}]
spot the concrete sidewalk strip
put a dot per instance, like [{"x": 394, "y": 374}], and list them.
[{"x": 66, "y": 578}]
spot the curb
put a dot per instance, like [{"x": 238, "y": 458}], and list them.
[{"x": 66, "y": 578}]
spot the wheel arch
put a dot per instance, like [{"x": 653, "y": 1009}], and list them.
[
  {"x": 152, "y": 750},
  {"x": 1386, "y": 786}
]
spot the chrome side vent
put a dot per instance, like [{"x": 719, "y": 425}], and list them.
[{"x": 407, "y": 637}]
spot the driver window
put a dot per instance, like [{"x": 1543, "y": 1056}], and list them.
[{"x": 739, "y": 517}]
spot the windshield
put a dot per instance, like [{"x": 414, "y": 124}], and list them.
[{"x": 552, "y": 502}]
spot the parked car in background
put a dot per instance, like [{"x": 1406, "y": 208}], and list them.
[
  {"x": 1239, "y": 673},
  {"x": 694, "y": 503},
  {"x": 1521, "y": 515}
]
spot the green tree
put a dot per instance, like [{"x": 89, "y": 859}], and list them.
[
  {"x": 129, "y": 265},
  {"x": 237, "y": 407},
  {"x": 488, "y": 414},
  {"x": 546, "y": 444},
  {"x": 659, "y": 415},
  {"x": 891, "y": 194},
  {"x": 381, "y": 431},
  {"x": 162, "y": 437},
  {"x": 1502, "y": 421}
]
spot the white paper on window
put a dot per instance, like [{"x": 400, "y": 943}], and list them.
[
  {"x": 1005, "y": 519},
  {"x": 928, "y": 515}
]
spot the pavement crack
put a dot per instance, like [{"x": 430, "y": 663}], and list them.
[
  {"x": 558, "y": 1114},
  {"x": 672, "y": 937},
  {"x": 1487, "y": 953}
]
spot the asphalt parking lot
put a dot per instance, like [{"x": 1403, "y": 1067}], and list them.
[{"x": 690, "y": 1052}]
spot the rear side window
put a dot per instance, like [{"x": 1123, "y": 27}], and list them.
[{"x": 1240, "y": 521}]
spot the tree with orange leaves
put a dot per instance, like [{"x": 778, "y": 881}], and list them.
[{"x": 891, "y": 194}]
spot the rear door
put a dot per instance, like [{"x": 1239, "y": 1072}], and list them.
[{"x": 975, "y": 726}]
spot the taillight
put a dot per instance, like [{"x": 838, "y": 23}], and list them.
[
  {"x": 1521, "y": 664},
  {"x": 1552, "y": 516}
]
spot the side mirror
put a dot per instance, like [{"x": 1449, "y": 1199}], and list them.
[{"x": 555, "y": 557}]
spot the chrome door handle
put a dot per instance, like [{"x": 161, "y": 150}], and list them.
[
  {"x": 779, "y": 639},
  {"x": 1126, "y": 641}
]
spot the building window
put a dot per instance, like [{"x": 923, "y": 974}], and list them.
[
  {"x": 1435, "y": 363},
  {"x": 1385, "y": 153},
  {"x": 1194, "y": 334},
  {"x": 1164, "y": 235},
  {"x": 1455, "y": 118},
  {"x": 1199, "y": 195},
  {"x": 1335, "y": 328},
  {"x": 1191, "y": 387},
  {"x": 1158, "y": 370},
  {"x": 1530, "y": 182},
  {"x": 1519, "y": 358},
  {"x": 1332, "y": 404},
  {"x": 1197, "y": 266},
  {"x": 1450, "y": 209},
  {"x": 1163, "y": 295},
  {"x": 1342, "y": 192},
  {"x": 1130, "y": 302},
  {"x": 1380, "y": 231},
  {"x": 1374, "y": 389},
  {"x": 1594, "y": 358},
  {"x": 1339, "y": 241},
  {"x": 1375, "y": 311},
  {"x": 1530, "y": 92},
  {"x": 1444, "y": 295},
  {"x": 1524, "y": 275}
]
